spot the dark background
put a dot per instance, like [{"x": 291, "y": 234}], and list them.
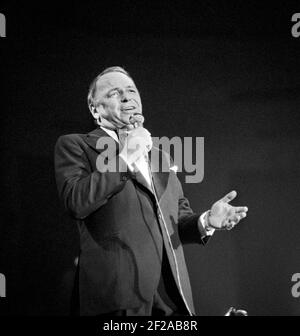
[{"x": 227, "y": 71}]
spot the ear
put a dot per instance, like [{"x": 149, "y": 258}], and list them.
[{"x": 95, "y": 111}]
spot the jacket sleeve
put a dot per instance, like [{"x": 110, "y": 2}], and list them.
[
  {"x": 82, "y": 190},
  {"x": 189, "y": 228}
]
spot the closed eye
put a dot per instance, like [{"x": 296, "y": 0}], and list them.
[{"x": 113, "y": 93}]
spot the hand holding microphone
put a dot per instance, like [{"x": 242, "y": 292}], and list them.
[{"x": 136, "y": 142}]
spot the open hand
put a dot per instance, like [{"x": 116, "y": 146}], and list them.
[{"x": 225, "y": 216}]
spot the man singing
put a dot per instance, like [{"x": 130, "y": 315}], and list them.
[{"x": 132, "y": 221}]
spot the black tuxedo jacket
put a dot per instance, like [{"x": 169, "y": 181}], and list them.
[{"x": 122, "y": 233}]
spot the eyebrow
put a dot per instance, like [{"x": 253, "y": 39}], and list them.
[{"x": 117, "y": 88}]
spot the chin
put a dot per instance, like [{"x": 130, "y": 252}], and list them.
[{"x": 125, "y": 118}]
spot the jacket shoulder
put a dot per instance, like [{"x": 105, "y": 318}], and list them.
[
  {"x": 70, "y": 143},
  {"x": 66, "y": 139}
]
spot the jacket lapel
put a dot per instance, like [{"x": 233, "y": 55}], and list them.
[
  {"x": 92, "y": 139},
  {"x": 160, "y": 178}
]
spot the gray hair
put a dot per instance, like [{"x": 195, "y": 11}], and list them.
[{"x": 93, "y": 85}]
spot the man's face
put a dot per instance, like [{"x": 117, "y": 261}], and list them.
[{"x": 117, "y": 99}]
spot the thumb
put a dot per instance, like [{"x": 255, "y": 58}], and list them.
[{"x": 229, "y": 197}]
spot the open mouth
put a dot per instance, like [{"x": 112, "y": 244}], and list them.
[{"x": 128, "y": 108}]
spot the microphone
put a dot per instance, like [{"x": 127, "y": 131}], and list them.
[{"x": 137, "y": 120}]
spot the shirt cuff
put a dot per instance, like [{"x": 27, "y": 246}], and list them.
[{"x": 203, "y": 222}]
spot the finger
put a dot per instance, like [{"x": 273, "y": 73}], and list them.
[
  {"x": 241, "y": 209},
  {"x": 129, "y": 127},
  {"x": 236, "y": 218},
  {"x": 229, "y": 197},
  {"x": 230, "y": 225}
]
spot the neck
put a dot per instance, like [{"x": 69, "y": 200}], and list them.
[{"x": 108, "y": 125}]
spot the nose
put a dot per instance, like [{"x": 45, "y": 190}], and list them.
[{"x": 124, "y": 97}]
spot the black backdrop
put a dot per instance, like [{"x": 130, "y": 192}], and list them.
[{"x": 228, "y": 72}]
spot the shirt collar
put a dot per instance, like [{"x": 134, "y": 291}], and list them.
[{"x": 111, "y": 133}]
